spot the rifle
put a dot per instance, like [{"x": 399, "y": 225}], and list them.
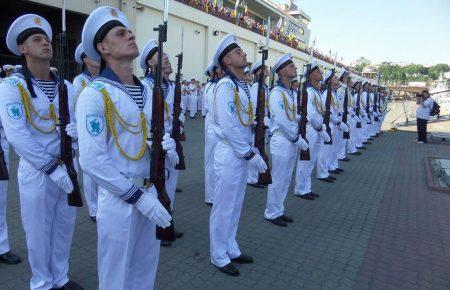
[
  {"x": 4, "y": 175},
  {"x": 358, "y": 104},
  {"x": 157, "y": 169},
  {"x": 326, "y": 118},
  {"x": 368, "y": 108},
  {"x": 346, "y": 135},
  {"x": 375, "y": 101},
  {"x": 176, "y": 123},
  {"x": 302, "y": 110},
  {"x": 74, "y": 198},
  {"x": 263, "y": 178}
]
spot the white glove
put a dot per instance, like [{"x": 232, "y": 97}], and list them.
[
  {"x": 324, "y": 135},
  {"x": 357, "y": 119},
  {"x": 168, "y": 143},
  {"x": 62, "y": 179},
  {"x": 258, "y": 163},
  {"x": 182, "y": 118},
  {"x": 375, "y": 114},
  {"x": 266, "y": 121},
  {"x": 71, "y": 130},
  {"x": 370, "y": 109},
  {"x": 150, "y": 206},
  {"x": 367, "y": 119},
  {"x": 344, "y": 127},
  {"x": 173, "y": 157},
  {"x": 317, "y": 122},
  {"x": 301, "y": 143}
]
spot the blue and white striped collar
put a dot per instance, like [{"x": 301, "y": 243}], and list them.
[
  {"x": 242, "y": 84},
  {"x": 108, "y": 76}
]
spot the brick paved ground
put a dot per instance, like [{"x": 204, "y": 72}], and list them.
[{"x": 376, "y": 227}]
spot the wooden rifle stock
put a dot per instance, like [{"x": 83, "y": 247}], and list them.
[
  {"x": 176, "y": 123},
  {"x": 157, "y": 169},
  {"x": 358, "y": 107},
  {"x": 263, "y": 178},
  {"x": 368, "y": 108},
  {"x": 302, "y": 110},
  {"x": 67, "y": 153},
  {"x": 4, "y": 174},
  {"x": 327, "y": 115},
  {"x": 345, "y": 135},
  {"x": 375, "y": 100}
]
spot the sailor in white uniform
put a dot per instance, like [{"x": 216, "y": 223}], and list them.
[
  {"x": 90, "y": 70},
  {"x": 359, "y": 115},
  {"x": 256, "y": 71},
  {"x": 316, "y": 134},
  {"x": 286, "y": 141},
  {"x": 214, "y": 73},
  {"x": 233, "y": 155},
  {"x": 29, "y": 115},
  {"x": 6, "y": 256},
  {"x": 148, "y": 62},
  {"x": 114, "y": 114},
  {"x": 8, "y": 69}
]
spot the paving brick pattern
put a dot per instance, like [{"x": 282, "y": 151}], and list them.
[{"x": 376, "y": 227}]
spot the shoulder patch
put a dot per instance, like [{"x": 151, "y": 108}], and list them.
[
  {"x": 97, "y": 85},
  {"x": 15, "y": 110},
  {"x": 231, "y": 108},
  {"x": 94, "y": 124},
  {"x": 12, "y": 81}
]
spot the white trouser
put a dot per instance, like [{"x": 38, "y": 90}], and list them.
[
  {"x": 192, "y": 104},
  {"x": 231, "y": 176},
  {"x": 171, "y": 181},
  {"x": 48, "y": 222},
  {"x": 337, "y": 140},
  {"x": 323, "y": 157},
  {"x": 4, "y": 244},
  {"x": 128, "y": 251},
  {"x": 199, "y": 103},
  {"x": 184, "y": 103},
  {"x": 351, "y": 143},
  {"x": 305, "y": 167},
  {"x": 210, "y": 175},
  {"x": 90, "y": 189},
  {"x": 342, "y": 146},
  {"x": 284, "y": 154},
  {"x": 203, "y": 107}
]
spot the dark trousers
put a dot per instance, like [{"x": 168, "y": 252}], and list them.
[{"x": 422, "y": 130}]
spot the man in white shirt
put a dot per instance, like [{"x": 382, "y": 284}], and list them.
[{"x": 425, "y": 103}]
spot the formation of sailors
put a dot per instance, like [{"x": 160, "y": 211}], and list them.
[{"x": 110, "y": 125}]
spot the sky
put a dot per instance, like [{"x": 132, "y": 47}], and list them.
[{"x": 416, "y": 31}]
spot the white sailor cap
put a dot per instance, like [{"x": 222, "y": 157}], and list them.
[
  {"x": 150, "y": 48},
  {"x": 25, "y": 26},
  {"x": 246, "y": 70},
  {"x": 342, "y": 74},
  {"x": 8, "y": 67},
  {"x": 328, "y": 75},
  {"x": 364, "y": 82},
  {"x": 209, "y": 70},
  {"x": 256, "y": 66},
  {"x": 79, "y": 54},
  {"x": 357, "y": 80},
  {"x": 98, "y": 24},
  {"x": 227, "y": 44},
  {"x": 282, "y": 62},
  {"x": 17, "y": 67},
  {"x": 310, "y": 67}
]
